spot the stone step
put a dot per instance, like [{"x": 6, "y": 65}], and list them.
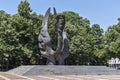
[
  {"x": 21, "y": 69},
  {"x": 64, "y": 70}
]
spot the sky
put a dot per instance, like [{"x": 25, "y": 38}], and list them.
[{"x": 102, "y": 12}]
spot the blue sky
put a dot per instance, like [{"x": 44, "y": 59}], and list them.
[{"x": 102, "y": 12}]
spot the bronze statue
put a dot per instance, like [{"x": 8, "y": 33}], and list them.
[{"x": 54, "y": 57}]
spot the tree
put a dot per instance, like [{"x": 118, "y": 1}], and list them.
[
  {"x": 24, "y": 9},
  {"x": 27, "y": 29},
  {"x": 7, "y": 36},
  {"x": 80, "y": 48},
  {"x": 19, "y": 39},
  {"x": 98, "y": 45},
  {"x": 112, "y": 37}
]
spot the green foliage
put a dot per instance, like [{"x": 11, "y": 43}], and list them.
[
  {"x": 112, "y": 37},
  {"x": 24, "y": 9}
]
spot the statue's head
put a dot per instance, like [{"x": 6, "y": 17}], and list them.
[{"x": 59, "y": 21}]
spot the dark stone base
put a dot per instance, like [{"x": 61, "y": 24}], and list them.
[{"x": 64, "y": 70}]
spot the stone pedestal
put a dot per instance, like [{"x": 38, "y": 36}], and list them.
[{"x": 64, "y": 70}]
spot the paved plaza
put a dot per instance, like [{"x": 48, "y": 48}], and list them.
[{"x": 8, "y": 76}]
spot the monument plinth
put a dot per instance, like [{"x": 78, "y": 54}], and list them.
[{"x": 64, "y": 70}]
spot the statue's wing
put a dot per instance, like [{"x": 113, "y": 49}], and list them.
[
  {"x": 44, "y": 39},
  {"x": 45, "y": 19},
  {"x": 55, "y": 13}
]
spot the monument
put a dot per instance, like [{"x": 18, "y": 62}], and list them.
[{"x": 55, "y": 57}]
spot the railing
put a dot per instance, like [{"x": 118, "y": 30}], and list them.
[{"x": 114, "y": 63}]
